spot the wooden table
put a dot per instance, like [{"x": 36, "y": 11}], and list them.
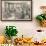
[{"x": 25, "y": 44}]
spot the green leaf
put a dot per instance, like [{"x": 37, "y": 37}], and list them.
[
  {"x": 45, "y": 17},
  {"x": 11, "y": 32},
  {"x": 40, "y": 18}
]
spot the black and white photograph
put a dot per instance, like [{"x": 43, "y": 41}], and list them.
[{"x": 16, "y": 10}]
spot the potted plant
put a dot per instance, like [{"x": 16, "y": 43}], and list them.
[
  {"x": 42, "y": 19},
  {"x": 10, "y": 31}
]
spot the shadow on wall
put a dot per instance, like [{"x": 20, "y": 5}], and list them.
[{"x": 0, "y": 10}]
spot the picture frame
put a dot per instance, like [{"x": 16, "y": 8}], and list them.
[{"x": 16, "y": 10}]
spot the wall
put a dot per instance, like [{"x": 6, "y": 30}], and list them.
[{"x": 27, "y": 28}]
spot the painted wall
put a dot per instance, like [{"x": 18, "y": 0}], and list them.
[{"x": 27, "y": 28}]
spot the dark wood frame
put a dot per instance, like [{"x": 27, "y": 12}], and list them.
[{"x": 17, "y": 20}]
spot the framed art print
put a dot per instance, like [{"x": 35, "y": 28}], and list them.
[{"x": 16, "y": 10}]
